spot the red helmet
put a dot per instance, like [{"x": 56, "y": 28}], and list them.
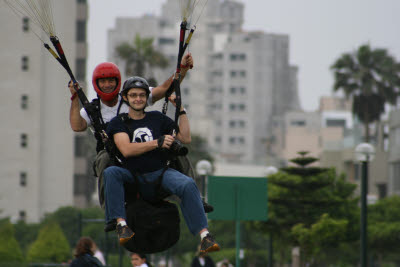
[{"x": 106, "y": 70}]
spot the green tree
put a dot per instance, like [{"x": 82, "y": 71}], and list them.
[
  {"x": 301, "y": 194},
  {"x": 140, "y": 56},
  {"x": 324, "y": 234},
  {"x": 26, "y": 234},
  {"x": 371, "y": 77},
  {"x": 384, "y": 229},
  {"x": 68, "y": 219},
  {"x": 10, "y": 251},
  {"x": 50, "y": 246}
]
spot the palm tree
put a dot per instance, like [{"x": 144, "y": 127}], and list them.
[
  {"x": 140, "y": 57},
  {"x": 371, "y": 78}
]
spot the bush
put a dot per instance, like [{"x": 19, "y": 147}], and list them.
[
  {"x": 10, "y": 250},
  {"x": 50, "y": 246}
]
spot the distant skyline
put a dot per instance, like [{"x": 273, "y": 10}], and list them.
[{"x": 319, "y": 32}]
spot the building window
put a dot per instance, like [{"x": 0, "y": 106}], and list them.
[
  {"x": 231, "y": 140},
  {"x": 357, "y": 172},
  {"x": 217, "y": 73},
  {"x": 335, "y": 123},
  {"x": 82, "y": 1},
  {"x": 218, "y": 139},
  {"x": 232, "y": 124},
  {"x": 22, "y": 215},
  {"x": 242, "y": 107},
  {"x": 298, "y": 123},
  {"x": 243, "y": 73},
  {"x": 25, "y": 63},
  {"x": 395, "y": 176},
  {"x": 382, "y": 190},
  {"x": 81, "y": 30},
  {"x": 218, "y": 56},
  {"x": 233, "y": 90},
  {"x": 396, "y": 133},
  {"x": 232, "y": 106},
  {"x": 24, "y": 101},
  {"x": 242, "y": 90},
  {"x": 25, "y": 24},
  {"x": 22, "y": 179},
  {"x": 233, "y": 73},
  {"x": 241, "y": 140},
  {"x": 241, "y": 124},
  {"x": 80, "y": 146},
  {"x": 24, "y": 140},
  {"x": 80, "y": 69},
  {"x": 165, "y": 41}
]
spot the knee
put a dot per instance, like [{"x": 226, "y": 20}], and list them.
[
  {"x": 110, "y": 172},
  {"x": 189, "y": 183}
]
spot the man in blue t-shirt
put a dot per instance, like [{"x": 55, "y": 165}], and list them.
[{"x": 142, "y": 138}]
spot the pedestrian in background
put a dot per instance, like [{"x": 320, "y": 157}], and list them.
[{"x": 84, "y": 254}]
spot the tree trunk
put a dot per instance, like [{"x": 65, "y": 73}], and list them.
[{"x": 366, "y": 124}]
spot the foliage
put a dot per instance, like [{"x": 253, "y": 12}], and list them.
[
  {"x": 26, "y": 234},
  {"x": 10, "y": 250},
  {"x": 50, "y": 246},
  {"x": 140, "y": 56},
  {"x": 68, "y": 220},
  {"x": 371, "y": 77},
  {"x": 322, "y": 235},
  {"x": 384, "y": 228},
  {"x": 299, "y": 196}
]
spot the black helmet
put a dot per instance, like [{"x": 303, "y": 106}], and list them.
[{"x": 136, "y": 82}]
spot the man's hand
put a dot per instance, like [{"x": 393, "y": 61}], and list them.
[
  {"x": 187, "y": 61},
  {"x": 172, "y": 99},
  {"x": 72, "y": 86},
  {"x": 167, "y": 142}
]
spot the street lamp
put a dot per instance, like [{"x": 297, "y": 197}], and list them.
[
  {"x": 270, "y": 170},
  {"x": 203, "y": 168},
  {"x": 364, "y": 153}
]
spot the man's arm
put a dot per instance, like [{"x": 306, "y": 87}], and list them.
[
  {"x": 129, "y": 149},
  {"x": 184, "y": 126},
  {"x": 184, "y": 129},
  {"x": 160, "y": 91},
  {"x": 78, "y": 124}
]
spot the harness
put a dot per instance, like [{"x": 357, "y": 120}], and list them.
[{"x": 94, "y": 111}]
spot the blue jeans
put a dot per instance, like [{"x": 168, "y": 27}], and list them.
[{"x": 173, "y": 181}]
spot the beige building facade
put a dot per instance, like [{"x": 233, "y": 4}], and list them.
[{"x": 36, "y": 160}]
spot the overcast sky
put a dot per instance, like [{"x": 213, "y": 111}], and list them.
[{"x": 319, "y": 31}]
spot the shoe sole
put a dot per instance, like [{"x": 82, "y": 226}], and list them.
[
  {"x": 213, "y": 248},
  {"x": 122, "y": 241}
]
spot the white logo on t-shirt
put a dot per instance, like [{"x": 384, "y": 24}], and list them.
[{"x": 142, "y": 135}]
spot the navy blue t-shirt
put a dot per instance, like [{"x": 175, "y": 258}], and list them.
[{"x": 151, "y": 127}]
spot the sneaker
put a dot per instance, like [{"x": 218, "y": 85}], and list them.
[
  {"x": 124, "y": 234},
  {"x": 208, "y": 244},
  {"x": 110, "y": 226},
  {"x": 207, "y": 207}
]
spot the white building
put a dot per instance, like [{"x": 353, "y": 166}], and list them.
[
  {"x": 36, "y": 160},
  {"x": 394, "y": 152},
  {"x": 239, "y": 81}
]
